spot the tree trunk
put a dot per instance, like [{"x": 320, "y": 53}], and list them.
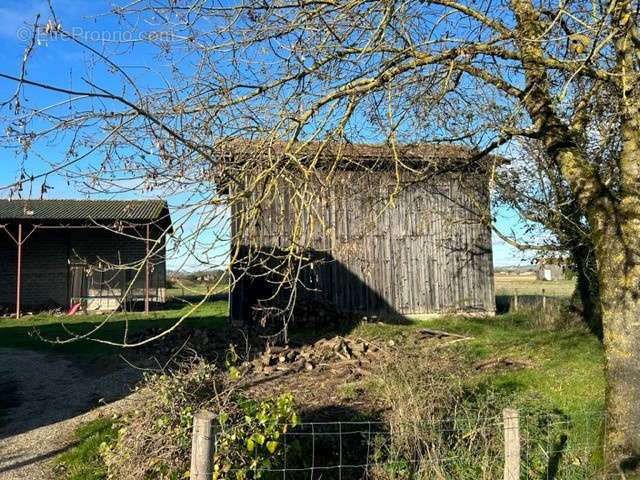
[
  {"x": 621, "y": 321},
  {"x": 586, "y": 298},
  {"x": 617, "y": 248},
  {"x": 618, "y": 255},
  {"x": 613, "y": 216}
]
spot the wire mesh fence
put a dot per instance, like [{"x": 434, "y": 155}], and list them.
[{"x": 550, "y": 446}]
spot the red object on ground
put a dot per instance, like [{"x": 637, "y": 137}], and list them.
[{"x": 74, "y": 308}]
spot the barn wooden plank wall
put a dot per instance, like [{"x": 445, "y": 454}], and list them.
[{"x": 428, "y": 251}]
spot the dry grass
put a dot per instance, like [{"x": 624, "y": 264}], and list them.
[{"x": 529, "y": 285}]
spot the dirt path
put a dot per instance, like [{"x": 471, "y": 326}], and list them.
[{"x": 44, "y": 397}]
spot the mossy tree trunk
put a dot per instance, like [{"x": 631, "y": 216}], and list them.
[
  {"x": 614, "y": 219},
  {"x": 619, "y": 273},
  {"x": 617, "y": 244}
]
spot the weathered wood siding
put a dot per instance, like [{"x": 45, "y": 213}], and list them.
[{"x": 427, "y": 251}]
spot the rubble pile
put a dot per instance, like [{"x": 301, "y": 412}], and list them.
[
  {"x": 325, "y": 353},
  {"x": 212, "y": 344},
  {"x": 205, "y": 341}
]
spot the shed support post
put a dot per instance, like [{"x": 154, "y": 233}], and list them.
[
  {"x": 146, "y": 275},
  {"x": 19, "y": 273}
]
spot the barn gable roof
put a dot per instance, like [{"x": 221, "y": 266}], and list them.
[
  {"x": 79, "y": 210},
  {"x": 423, "y": 153},
  {"x": 431, "y": 158}
]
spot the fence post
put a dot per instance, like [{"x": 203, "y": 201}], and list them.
[
  {"x": 515, "y": 300},
  {"x": 202, "y": 445},
  {"x": 511, "y": 444},
  {"x": 544, "y": 301}
]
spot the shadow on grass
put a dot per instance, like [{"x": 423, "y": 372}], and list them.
[
  {"x": 44, "y": 332},
  {"x": 34, "y": 371}
]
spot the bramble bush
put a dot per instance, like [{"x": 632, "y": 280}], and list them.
[{"x": 154, "y": 441}]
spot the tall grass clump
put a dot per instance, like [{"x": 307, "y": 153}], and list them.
[{"x": 437, "y": 429}]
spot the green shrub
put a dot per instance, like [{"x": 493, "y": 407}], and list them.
[
  {"x": 251, "y": 445},
  {"x": 154, "y": 442}
]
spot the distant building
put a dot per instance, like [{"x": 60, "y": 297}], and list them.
[
  {"x": 551, "y": 269},
  {"x": 59, "y": 252}
]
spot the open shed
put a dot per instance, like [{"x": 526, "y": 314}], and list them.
[
  {"x": 98, "y": 253},
  {"x": 427, "y": 251}
]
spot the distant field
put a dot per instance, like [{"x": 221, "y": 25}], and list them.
[
  {"x": 505, "y": 285},
  {"x": 186, "y": 289},
  {"x": 529, "y": 285}
]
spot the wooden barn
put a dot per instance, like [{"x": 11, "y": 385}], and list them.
[
  {"x": 428, "y": 250},
  {"x": 97, "y": 253}
]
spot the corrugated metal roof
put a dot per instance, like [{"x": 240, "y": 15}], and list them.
[{"x": 65, "y": 209}]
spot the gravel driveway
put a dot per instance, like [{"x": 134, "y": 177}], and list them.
[{"x": 41, "y": 398}]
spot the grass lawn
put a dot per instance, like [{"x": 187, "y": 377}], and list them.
[{"x": 23, "y": 332}]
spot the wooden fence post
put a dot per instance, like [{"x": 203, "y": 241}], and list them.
[
  {"x": 515, "y": 300},
  {"x": 202, "y": 446},
  {"x": 511, "y": 444},
  {"x": 544, "y": 301}
]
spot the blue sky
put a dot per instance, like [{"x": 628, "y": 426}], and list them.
[{"x": 56, "y": 61}]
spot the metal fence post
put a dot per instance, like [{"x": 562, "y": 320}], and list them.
[
  {"x": 511, "y": 444},
  {"x": 202, "y": 446}
]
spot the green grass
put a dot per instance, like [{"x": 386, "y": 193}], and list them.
[
  {"x": 27, "y": 331},
  {"x": 568, "y": 375},
  {"x": 83, "y": 461}
]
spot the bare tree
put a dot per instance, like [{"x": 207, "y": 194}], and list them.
[{"x": 309, "y": 72}]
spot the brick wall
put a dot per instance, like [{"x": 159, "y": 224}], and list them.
[{"x": 44, "y": 268}]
